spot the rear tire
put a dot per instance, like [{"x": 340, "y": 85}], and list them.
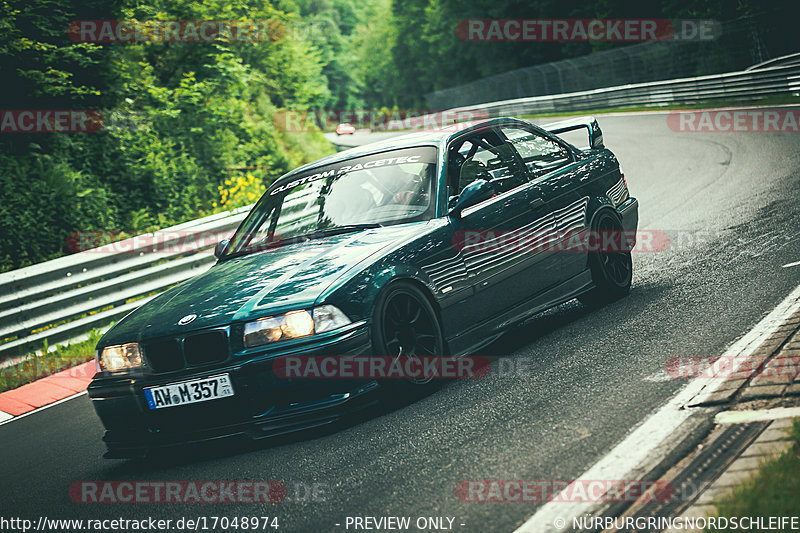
[{"x": 612, "y": 270}]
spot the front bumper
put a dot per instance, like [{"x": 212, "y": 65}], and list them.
[{"x": 263, "y": 404}]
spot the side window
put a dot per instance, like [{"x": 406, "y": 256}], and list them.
[
  {"x": 484, "y": 156},
  {"x": 540, "y": 154}
]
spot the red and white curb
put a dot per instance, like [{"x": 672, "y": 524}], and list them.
[{"x": 45, "y": 391}]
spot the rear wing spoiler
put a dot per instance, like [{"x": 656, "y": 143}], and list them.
[{"x": 590, "y": 123}]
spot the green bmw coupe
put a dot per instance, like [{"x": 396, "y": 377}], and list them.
[{"x": 427, "y": 245}]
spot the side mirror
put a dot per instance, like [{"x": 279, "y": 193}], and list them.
[
  {"x": 476, "y": 192},
  {"x": 220, "y": 247}
]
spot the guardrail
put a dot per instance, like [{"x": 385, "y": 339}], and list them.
[
  {"x": 747, "y": 84},
  {"x": 790, "y": 59},
  {"x": 67, "y": 297}
]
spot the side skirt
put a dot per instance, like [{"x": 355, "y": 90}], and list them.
[{"x": 483, "y": 334}]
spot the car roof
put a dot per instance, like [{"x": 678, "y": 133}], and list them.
[{"x": 433, "y": 137}]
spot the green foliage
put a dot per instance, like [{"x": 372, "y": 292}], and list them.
[
  {"x": 408, "y": 48},
  {"x": 177, "y": 117}
]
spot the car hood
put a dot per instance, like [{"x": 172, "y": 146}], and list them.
[{"x": 256, "y": 285}]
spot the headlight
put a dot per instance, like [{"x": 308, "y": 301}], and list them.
[
  {"x": 293, "y": 325},
  {"x": 119, "y": 357},
  {"x": 328, "y": 317}
]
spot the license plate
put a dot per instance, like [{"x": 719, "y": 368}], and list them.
[{"x": 186, "y": 392}]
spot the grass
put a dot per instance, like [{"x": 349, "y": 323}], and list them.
[
  {"x": 773, "y": 491},
  {"x": 39, "y": 366},
  {"x": 720, "y": 102}
]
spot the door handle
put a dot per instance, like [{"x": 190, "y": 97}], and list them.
[{"x": 537, "y": 203}]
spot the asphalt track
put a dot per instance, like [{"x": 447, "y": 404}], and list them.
[{"x": 730, "y": 202}]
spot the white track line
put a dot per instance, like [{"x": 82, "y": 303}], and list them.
[
  {"x": 642, "y": 449},
  {"x": 42, "y": 408},
  {"x": 5, "y": 417}
]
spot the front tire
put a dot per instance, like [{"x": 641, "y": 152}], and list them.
[
  {"x": 406, "y": 325},
  {"x": 612, "y": 270}
]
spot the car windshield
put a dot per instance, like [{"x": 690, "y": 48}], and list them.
[{"x": 382, "y": 189}]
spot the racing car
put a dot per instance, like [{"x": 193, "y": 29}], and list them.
[{"x": 430, "y": 244}]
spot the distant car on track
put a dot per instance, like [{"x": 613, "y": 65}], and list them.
[
  {"x": 345, "y": 129},
  {"x": 389, "y": 250}
]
